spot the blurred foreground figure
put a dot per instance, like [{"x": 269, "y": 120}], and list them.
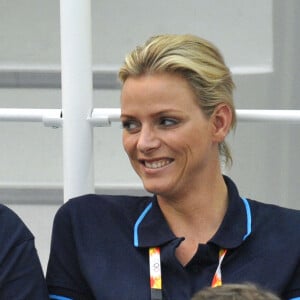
[
  {"x": 21, "y": 275},
  {"x": 235, "y": 292}
]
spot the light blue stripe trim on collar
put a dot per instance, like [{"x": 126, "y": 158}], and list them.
[
  {"x": 297, "y": 298},
  {"x": 55, "y": 297},
  {"x": 249, "y": 218},
  {"x": 138, "y": 222}
]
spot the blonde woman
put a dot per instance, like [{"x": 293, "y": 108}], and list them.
[{"x": 196, "y": 230}]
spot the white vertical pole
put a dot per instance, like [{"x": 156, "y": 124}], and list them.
[{"x": 77, "y": 93}]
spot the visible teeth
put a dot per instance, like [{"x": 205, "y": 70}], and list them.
[{"x": 157, "y": 164}]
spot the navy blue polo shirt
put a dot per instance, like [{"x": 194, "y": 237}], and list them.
[
  {"x": 21, "y": 275},
  {"x": 100, "y": 245}
]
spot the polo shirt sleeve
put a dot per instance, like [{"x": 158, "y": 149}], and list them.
[
  {"x": 21, "y": 275},
  {"x": 64, "y": 276}
]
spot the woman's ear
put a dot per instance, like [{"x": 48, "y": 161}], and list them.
[{"x": 221, "y": 122}]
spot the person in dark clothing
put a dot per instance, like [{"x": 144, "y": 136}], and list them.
[
  {"x": 21, "y": 275},
  {"x": 196, "y": 230}
]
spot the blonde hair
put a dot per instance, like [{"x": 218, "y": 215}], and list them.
[{"x": 196, "y": 60}]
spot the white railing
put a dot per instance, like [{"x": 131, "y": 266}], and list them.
[
  {"x": 264, "y": 115},
  {"x": 77, "y": 96},
  {"x": 49, "y": 117},
  {"x": 103, "y": 117}
]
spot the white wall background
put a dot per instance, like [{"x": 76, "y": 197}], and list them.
[{"x": 259, "y": 39}]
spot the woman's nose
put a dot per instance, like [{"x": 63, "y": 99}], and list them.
[{"x": 147, "y": 140}]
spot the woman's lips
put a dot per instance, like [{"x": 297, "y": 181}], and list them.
[{"x": 156, "y": 164}]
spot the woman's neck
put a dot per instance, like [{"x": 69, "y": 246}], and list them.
[
  {"x": 196, "y": 216},
  {"x": 207, "y": 200}
]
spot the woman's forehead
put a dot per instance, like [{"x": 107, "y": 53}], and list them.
[{"x": 163, "y": 89}]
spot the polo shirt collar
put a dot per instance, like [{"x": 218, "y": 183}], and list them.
[
  {"x": 152, "y": 230},
  {"x": 236, "y": 225}
]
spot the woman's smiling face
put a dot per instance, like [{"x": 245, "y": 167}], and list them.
[{"x": 168, "y": 139}]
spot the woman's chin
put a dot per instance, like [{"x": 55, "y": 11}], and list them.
[{"x": 157, "y": 189}]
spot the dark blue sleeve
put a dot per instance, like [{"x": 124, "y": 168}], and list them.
[
  {"x": 21, "y": 275},
  {"x": 64, "y": 276}
]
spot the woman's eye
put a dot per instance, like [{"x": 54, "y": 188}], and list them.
[
  {"x": 130, "y": 125},
  {"x": 168, "y": 122}
]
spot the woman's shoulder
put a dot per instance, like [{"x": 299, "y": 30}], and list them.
[
  {"x": 86, "y": 205},
  {"x": 98, "y": 213},
  {"x": 267, "y": 208},
  {"x": 101, "y": 201},
  {"x": 281, "y": 219}
]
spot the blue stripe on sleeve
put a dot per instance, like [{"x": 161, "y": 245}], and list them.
[{"x": 56, "y": 297}]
